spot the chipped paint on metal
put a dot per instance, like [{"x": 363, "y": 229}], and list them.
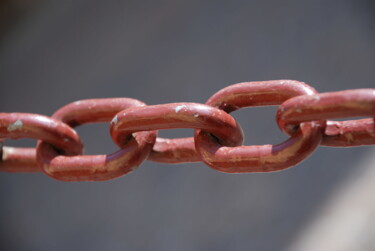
[
  {"x": 15, "y": 126},
  {"x": 178, "y": 108},
  {"x": 114, "y": 120}
]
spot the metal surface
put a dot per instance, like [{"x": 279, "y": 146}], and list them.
[
  {"x": 265, "y": 158},
  {"x": 333, "y": 105},
  {"x": 25, "y": 125},
  {"x": 218, "y": 136},
  {"x": 222, "y": 126},
  {"x": 97, "y": 167}
]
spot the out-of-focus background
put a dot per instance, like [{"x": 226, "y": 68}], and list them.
[{"x": 56, "y": 52}]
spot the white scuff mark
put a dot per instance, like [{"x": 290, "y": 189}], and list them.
[
  {"x": 114, "y": 120},
  {"x": 316, "y": 98},
  {"x": 196, "y": 115},
  {"x": 15, "y": 126},
  {"x": 341, "y": 131},
  {"x": 178, "y": 108},
  {"x": 66, "y": 139}
]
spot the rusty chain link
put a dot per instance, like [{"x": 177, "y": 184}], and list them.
[{"x": 303, "y": 114}]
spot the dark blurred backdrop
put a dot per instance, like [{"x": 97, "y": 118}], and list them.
[{"x": 56, "y": 52}]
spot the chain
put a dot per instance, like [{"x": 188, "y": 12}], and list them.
[{"x": 303, "y": 114}]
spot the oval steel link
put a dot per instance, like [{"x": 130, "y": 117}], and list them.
[
  {"x": 183, "y": 149},
  {"x": 35, "y": 126},
  {"x": 333, "y": 105},
  {"x": 264, "y": 158},
  {"x": 95, "y": 167},
  {"x": 177, "y": 115}
]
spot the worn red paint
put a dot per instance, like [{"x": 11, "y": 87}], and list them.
[
  {"x": 95, "y": 167},
  {"x": 176, "y": 115},
  {"x": 18, "y": 160},
  {"x": 25, "y": 125},
  {"x": 334, "y": 105},
  {"x": 217, "y": 140},
  {"x": 265, "y": 158}
]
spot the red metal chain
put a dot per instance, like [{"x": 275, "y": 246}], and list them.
[
  {"x": 266, "y": 158},
  {"x": 177, "y": 115},
  {"x": 217, "y": 141},
  {"x": 333, "y": 105},
  {"x": 134, "y": 150},
  {"x": 24, "y": 125}
]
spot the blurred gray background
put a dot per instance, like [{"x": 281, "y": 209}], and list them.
[{"x": 56, "y": 52}]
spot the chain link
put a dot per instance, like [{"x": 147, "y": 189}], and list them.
[
  {"x": 96, "y": 167},
  {"x": 302, "y": 114},
  {"x": 265, "y": 158}
]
